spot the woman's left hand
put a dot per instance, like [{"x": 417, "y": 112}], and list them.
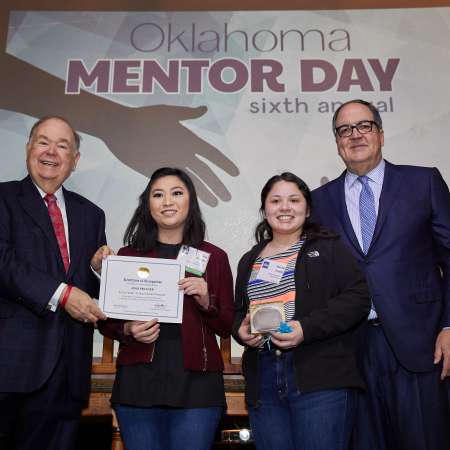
[
  {"x": 289, "y": 340},
  {"x": 198, "y": 288}
]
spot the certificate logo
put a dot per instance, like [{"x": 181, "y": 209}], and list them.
[{"x": 143, "y": 272}]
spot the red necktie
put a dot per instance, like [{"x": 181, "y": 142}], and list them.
[{"x": 58, "y": 227}]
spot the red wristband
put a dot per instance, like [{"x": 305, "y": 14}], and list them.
[{"x": 65, "y": 296}]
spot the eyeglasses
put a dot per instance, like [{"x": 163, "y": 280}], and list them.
[{"x": 364, "y": 126}]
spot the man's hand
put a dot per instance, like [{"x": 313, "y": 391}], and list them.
[
  {"x": 251, "y": 340},
  {"x": 99, "y": 256},
  {"x": 81, "y": 307},
  {"x": 145, "y": 332},
  {"x": 289, "y": 340},
  {"x": 442, "y": 351}
]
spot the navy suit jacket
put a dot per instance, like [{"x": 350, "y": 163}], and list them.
[
  {"x": 32, "y": 338},
  {"x": 408, "y": 260}
]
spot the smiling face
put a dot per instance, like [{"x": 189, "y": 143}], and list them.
[
  {"x": 51, "y": 154},
  {"x": 286, "y": 209},
  {"x": 360, "y": 152},
  {"x": 169, "y": 207}
]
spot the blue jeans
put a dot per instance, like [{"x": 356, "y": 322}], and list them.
[
  {"x": 168, "y": 428},
  {"x": 287, "y": 419}
]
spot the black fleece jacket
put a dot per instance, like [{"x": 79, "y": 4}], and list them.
[{"x": 331, "y": 300}]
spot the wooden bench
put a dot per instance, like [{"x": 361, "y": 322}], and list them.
[{"x": 103, "y": 373}]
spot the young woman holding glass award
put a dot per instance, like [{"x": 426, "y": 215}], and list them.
[
  {"x": 299, "y": 296},
  {"x": 168, "y": 392}
]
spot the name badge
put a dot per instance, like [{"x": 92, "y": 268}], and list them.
[
  {"x": 195, "y": 260},
  {"x": 271, "y": 271}
]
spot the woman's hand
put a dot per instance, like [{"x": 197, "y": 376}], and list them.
[
  {"x": 251, "y": 340},
  {"x": 145, "y": 332},
  {"x": 99, "y": 256},
  {"x": 198, "y": 288},
  {"x": 289, "y": 340}
]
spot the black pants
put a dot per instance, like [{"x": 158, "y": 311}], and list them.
[
  {"x": 46, "y": 419},
  {"x": 401, "y": 410}
]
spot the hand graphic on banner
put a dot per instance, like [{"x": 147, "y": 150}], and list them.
[
  {"x": 143, "y": 138},
  {"x": 153, "y": 136}
]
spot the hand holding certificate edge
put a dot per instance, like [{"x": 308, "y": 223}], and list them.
[
  {"x": 145, "y": 332},
  {"x": 81, "y": 307},
  {"x": 100, "y": 255}
]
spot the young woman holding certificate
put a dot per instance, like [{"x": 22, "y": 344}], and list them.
[
  {"x": 301, "y": 374},
  {"x": 168, "y": 392}
]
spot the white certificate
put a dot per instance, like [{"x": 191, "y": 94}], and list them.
[{"x": 134, "y": 288}]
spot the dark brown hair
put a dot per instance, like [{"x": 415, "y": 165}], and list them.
[
  {"x": 142, "y": 231},
  {"x": 263, "y": 230}
]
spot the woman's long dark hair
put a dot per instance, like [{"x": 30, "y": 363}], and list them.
[
  {"x": 263, "y": 230},
  {"x": 142, "y": 231}
]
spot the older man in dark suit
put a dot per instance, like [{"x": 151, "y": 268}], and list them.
[
  {"x": 396, "y": 221},
  {"x": 47, "y": 238}
]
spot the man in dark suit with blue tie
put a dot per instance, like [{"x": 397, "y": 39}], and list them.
[
  {"x": 47, "y": 238},
  {"x": 396, "y": 221}
]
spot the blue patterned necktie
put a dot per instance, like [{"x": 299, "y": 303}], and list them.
[{"x": 367, "y": 213}]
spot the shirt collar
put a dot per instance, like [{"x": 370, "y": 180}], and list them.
[
  {"x": 375, "y": 175},
  {"x": 58, "y": 194}
]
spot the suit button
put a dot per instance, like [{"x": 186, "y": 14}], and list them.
[{"x": 278, "y": 352}]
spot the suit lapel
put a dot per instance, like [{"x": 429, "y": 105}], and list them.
[
  {"x": 337, "y": 194},
  {"x": 33, "y": 204},
  {"x": 389, "y": 192},
  {"x": 75, "y": 219}
]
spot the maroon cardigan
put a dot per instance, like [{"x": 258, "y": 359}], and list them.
[{"x": 199, "y": 326}]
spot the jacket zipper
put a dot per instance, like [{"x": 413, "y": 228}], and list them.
[
  {"x": 152, "y": 353},
  {"x": 205, "y": 352}
]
